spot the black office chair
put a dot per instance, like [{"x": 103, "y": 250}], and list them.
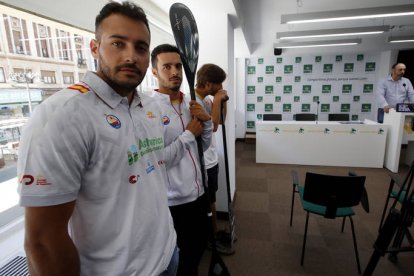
[
  {"x": 305, "y": 117},
  {"x": 338, "y": 117},
  {"x": 329, "y": 196},
  {"x": 272, "y": 117}
]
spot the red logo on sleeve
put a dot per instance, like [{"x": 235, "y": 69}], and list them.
[{"x": 27, "y": 179}]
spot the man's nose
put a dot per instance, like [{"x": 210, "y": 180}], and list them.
[
  {"x": 131, "y": 55},
  {"x": 175, "y": 71}
]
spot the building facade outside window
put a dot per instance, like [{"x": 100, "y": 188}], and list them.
[
  {"x": 64, "y": 45},
  {"x": 17, "y": 35},
  {"x": 19, "y": 75},
  {"x": 81, "y": 76},
  {"x": 68, "y": 77},
  {"x": 44, "y": 47},
  {"x": 2, "y": 78},
  {"x": 48, "y": 76}
]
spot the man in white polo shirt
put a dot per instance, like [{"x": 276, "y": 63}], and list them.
[
  {"x": 183, "y": 119},
  {"x": 91, "y": 165}
]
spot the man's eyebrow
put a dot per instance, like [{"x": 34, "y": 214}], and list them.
[
  {"x": 170, "y": 64},
  {"x": 123, "y": 37},
  {"x": 118, "y": 36}
]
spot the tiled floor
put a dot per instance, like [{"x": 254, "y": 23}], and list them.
[{"x": 267, "y": 245}]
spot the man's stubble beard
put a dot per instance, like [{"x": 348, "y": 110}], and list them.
[{"x": 109, "y": 76}]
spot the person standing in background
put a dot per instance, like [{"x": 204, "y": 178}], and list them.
[
  {"x": 210, "y": 78},
  {"x": 92, "y": 161},
  {"x": 184, "y": 120},
  {"x": 392, "y": 90}
]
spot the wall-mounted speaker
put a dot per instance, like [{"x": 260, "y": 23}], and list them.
[{"x": 277, "y": 51}]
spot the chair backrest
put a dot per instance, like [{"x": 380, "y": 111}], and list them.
[
  {"x": 305, "y": 117},
  {"x": 333, "y": 191},
  {"x": 338, "y": 117},
  {"x": 272, "y": 117}
]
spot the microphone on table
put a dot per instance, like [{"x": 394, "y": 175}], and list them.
[{"x": 317, "y": 113}]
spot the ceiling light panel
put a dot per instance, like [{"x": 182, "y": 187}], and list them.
[
  {"x": 364, "y": 13},
  {"x": 332, "y": 32}
]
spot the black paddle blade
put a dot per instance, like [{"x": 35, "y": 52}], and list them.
[{"x": 185, "y": 32}]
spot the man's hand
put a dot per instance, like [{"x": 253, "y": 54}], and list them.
[
  {"x": 221, "y": 96},
  {"x": 198, "y": 111},
  {"x": 386, "y": 108},
  {"x": 195, "y": 127}
]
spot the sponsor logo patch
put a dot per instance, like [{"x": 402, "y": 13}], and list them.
[
  {"x": 150, "y": 166},
  {"x": 40, "y": 180},
  {"x": 165, "y": 120},
  {"x": 27, "y": 179},
  {"x": 144, "y": 146},
  {"x": 113, "y": 121},
  {"x": 133, "y": 179},
  {"x": 133, "y": 154},
  {"x": 150, "y": 115}
]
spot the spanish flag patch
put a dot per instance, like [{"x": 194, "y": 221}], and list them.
[{"x": 79, "y": 87}]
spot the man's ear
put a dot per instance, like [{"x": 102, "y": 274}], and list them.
[
  {"x": 208, "y": 86},
  {"x": 154, "y": 72},
  {"x": 94, "y": 48}
]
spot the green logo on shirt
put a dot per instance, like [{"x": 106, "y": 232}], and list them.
[{"x": 145, "y": 146}]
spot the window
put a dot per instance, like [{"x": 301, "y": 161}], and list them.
[
  {"x": 80, "y": 48},
  {"x": 68, "y": 77},
  {"x": 64, "y": 45},
  {"x": 43, "y": 40},
  {"x": 48, "y": 76},
  {"x": 17, "y": 35},
  {"x": 2, "y": 78},
  {"x": 22, "y": 75},
  {"x": 81, "y": 76},
  {"x": 10, "y": 130},
  {"x": 51, "y": 42}
]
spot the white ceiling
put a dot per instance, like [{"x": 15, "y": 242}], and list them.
[{"x": 259, "y": 19}]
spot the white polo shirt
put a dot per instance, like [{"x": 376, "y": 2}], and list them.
[
  {"x": 184, "y": 174},
  {"x": 86, "y": 143},
  {"x": 210, "y": 155}
]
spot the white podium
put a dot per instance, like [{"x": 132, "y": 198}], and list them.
[{"x": 397, "y": 135}]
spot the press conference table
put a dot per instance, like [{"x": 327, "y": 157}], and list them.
[{"x": 326, "y": 143}]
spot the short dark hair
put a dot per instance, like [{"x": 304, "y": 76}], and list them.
[
  {"x": 210, "y": 73},
  {"x": 125, "y": 8},
  {"x": 163, "y": 48}
]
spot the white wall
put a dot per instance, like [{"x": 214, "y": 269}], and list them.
[{"x": 216, "y": 46}]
